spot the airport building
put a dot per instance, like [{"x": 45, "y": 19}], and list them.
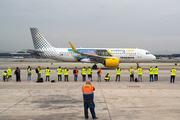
[{"x": 18, "y": 55}]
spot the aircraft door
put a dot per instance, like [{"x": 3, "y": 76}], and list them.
[{"x": 139, "y": 54}]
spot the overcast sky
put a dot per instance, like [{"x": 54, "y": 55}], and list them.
[{"x": 153, "y": 25}]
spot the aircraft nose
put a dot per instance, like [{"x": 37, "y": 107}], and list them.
[{"x": 153, "y": 57}]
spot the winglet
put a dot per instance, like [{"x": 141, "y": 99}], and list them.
[{"x": 74, "y": 49}]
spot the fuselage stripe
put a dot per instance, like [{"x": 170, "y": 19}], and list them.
[
  {"x": 110, "y": 52},
  {"x": 71, "y": 55}
]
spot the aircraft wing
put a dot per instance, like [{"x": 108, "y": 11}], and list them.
[
  {"x": 97, "y": 57},
  {"x": 33, "y": 51}
]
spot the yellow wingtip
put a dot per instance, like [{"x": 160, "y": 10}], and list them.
[{"x": 74, "y": 49}]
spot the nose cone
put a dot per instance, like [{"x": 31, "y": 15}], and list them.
[{"x": 153, "y": 57}]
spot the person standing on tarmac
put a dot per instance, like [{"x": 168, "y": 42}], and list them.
[
  {"x": 99, "y": 74},
  {"x": 131, "y": 74},
  {"x": 88, "y": 97},
  {"x": 84, "y": 74},
  {"x": 89, "y": 73},
  {"x": 151, "y": 72},
  {"x": 29, "y": 73},
  {"x": 107, "y": 77},
  {"x": 75, "y": 72},
  {"x": 156, "y": 73},
  {"x": 173, "y": 74},
  {"x": 17, "y": 72},
  {"x": 9, "y": 72},
  {"x": 140, "y": 74},
  {"x": 38, "y": 71},
  {"x": 59, "y": 73},
  {"x": 66, "y": 74},
  {"x": 118, "y": 73},
  {"x": 47, "y": 74}
]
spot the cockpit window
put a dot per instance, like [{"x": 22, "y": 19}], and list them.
[{"x": 147, "y": 53}]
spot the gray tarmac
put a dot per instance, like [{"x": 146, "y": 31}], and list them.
[{"x": 122, "y": 100}]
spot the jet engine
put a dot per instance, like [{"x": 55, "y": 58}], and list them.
[{"x": 111, "y": 62}]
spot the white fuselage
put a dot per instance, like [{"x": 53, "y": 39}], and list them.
[{"x": 128, "y": 55}]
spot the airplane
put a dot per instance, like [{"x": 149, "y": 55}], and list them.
[{"x": 109, "y": 57}]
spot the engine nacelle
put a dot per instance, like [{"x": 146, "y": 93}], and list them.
[{"x": 111, "y": 62}]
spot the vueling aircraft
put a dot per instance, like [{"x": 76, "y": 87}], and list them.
[{"x": 109, "y": 57}]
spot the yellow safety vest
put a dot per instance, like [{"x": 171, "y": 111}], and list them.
[
  {"x": 173, "y": 72},
  {"x": 5, "y": 75},
  {"x": 151, "y": 71},
  {"x": 39, "y": 71},
  {"x": 156, "y": 71},
  {"x": 118, "y": 71},
  {"x": 131, "y": 73},
  {"x": 59, "y": 71},
  {"x": 107, "y": 77},
  {"x": 139, "y": 71},
  {"x": 47, "y": 72},
  {"x": 89, "y": 71},
  {"x": 28, "y": 70},
  {"x": 9, "y": 71},
  {"x": 83, "y": 71},
  {"x": 65, "y": 72}
]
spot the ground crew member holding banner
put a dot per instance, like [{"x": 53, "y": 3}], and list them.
[
  {"x": 65, "y": 74},
  {"x": 9, "y": 72},
  {"x": 59, "y": 73},
  {"x": 99, "y": 74},
  {"x": 156, "y": 73},
  {"x": 29, "y": 73},
  {"x": 118, "y": 73},
  {"x": 107, "y": 77},
  {"x": 84, "y": 74},
  {"x": 173, "y": 74},
  {"x": 88, "y": 97},
  {"x": 131, "y": 74},
  {"x": 5, "y": 76},
  {"x": 47, "y": 74},
  {"x": 75, "y": 71},
  {"x": 140, "y": 74},
  {"x": 151, "y": 72},
  {"x": 89, "y": 73}
]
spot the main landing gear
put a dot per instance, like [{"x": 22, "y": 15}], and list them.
[{"x": 94, "y": 66}]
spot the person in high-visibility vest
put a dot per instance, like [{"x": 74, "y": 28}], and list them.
[
  {"x": 151, "y": 72},
  {"x": 88, "y": 97},
  {"x": 47, "y": 74},
  {"x": 5, "y": 76},
  {"x": 38, "y": 71},
  {"x": 66, "y": 74},
  {"x": 9, "y": 72},
  {"x": 156, "y": 73},
  {"x": 89, "y": 73},
  {"x": 84, "y": 74},
  {"x": 173, "y": 74},
  {"x": 107, "y": 77},
  {"x": 99, "y": 74},
  {"x": 118, "y": 73},
  {"x": 131, "y": 74},
  {"x": 75, "y": 72},
  {"x": 59, "y": 73},
  {"x": 28, "y": 73},
  {"x": 140, "y": 74}
]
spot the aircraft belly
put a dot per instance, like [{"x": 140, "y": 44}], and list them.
[{"x": 69, "y": 59}]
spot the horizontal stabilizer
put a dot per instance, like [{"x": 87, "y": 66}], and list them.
[{"x": 33, "y": 51}]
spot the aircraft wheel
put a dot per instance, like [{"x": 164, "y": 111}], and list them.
[{"x": 94, "y": 67}]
